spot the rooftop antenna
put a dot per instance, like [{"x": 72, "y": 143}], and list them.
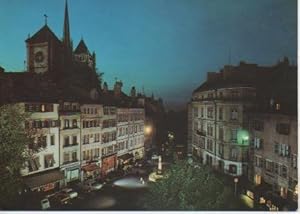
[{"x": 45, "y": 15}]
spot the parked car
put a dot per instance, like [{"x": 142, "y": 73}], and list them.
[
  {"x": 96, "y": 185},
  {"x": 91, "y": 186},
  {"x": 70, "y": 192},
  {"x": 61, "y": 198},
  {"x": 45, "y": 204}
]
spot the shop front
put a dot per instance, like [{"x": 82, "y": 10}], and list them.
[
  {"x": 109, "y": 164},
  {"x": 90, "y": 171},
  {"x": 124, "y": 161},
  {"x": 44, "y": 181},
  {"x": 72, "y": 174}
]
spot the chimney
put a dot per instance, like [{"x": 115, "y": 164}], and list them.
[
  {"x": 118, "y": 88},
  {"x": 105, "y": 87},
  {"x": 133, "y": 92}
]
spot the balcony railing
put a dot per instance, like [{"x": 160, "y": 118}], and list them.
[{"x": 70, "y": 144}]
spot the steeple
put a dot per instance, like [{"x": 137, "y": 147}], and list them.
[{"x": 66, "y": 35}]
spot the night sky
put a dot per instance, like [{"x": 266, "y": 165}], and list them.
[{"x": 163, "y": 46}]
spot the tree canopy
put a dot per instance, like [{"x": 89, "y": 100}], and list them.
[
  {"x": 14, "y": 139},
  {"x": 187, "y": 187}
]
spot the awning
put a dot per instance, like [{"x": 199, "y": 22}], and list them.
[
  {"x": 43, "y": 178},
  {"x": 90, "y": 167},
  {"x": 125, "y": 157}
]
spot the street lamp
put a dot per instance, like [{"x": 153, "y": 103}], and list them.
[
  {"x": 236, "y": 180},
  {"x": 148, "y": 130}
]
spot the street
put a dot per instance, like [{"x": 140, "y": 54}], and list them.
[{"x": 110, "y": 197}]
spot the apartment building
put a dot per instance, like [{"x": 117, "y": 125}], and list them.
[
  {"x": 91, "y": 119},
  {"x": 42, "y": 171},
  {"x": 218, "y": 136},
  {"x": 274, "y": 158},
  {"x": 70, "y": 128}
]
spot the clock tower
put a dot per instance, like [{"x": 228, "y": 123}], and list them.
[{"x": 44, "y": 52}]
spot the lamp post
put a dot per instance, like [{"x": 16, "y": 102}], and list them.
[
  {"x": 236, "y": 180},
  {"x": 159, "y": 168}
]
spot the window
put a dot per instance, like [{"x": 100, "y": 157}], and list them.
[
  {"x": 234, "y": 114},
  {"x": 282, "y": 149},
  {"x": 42, "y": 108},
  {"x": 202, "y": 112},
  {"x": 257, "y": 179},
  {"x": 74, "y": 123},
  {"x": 84, "y": 155},
  {"x": 269, "y": 166},
  {"x": 283, "y": 171},
  {"x": 66, "y": 141},
  {"x": 221, "y": 149},
  {"x": 42, "y": 141},
  {"x": 66, "y": 157},
  {"x": 66, "y": 124},
  {"x": 209, "y": 130},
  {"x": 210, "y": 112},
  {"x": 258, "y": 125},
  {"x": 283, "y": 128},
  {"x": 221, "y": 133},
  {"x": 277, "y": 106},
  {"x": 209, "y": 145},
  {"x": 258, "y": 143},
  {"x": 52, "y": 140},
  {"x": 74, "y": 156},
  {"x": 232, "y": 168},
  {"x": 74, "y": 140},
  {"x": 34, "y": 164},
  {"x": 276, "y": 168},
  {"x": 49, "y": 161},
  {"x": 233, "y": 135},
  {"x": 233, "y": 154},
  {"x": 220, "y": 113}
]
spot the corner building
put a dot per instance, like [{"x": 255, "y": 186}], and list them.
[{"x": 216, "y": 117}]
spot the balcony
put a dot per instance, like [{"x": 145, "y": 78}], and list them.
[
  {"x": 201, "y": 133},
  {"x": 70, "y": 144},
  {"x": 70, "y": 161}
]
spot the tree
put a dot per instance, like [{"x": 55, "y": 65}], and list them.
[
  {"x": 14, "y": 139},
  {"x": 188, "y": 188}
]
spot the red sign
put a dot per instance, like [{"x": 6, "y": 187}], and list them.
[{"x": 48, "y": 187}]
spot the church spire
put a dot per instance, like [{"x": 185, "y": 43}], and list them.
[{"x": 66, "y": 36}]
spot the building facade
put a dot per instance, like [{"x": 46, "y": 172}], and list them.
[
  {"x": 274, "y": 157},
  {"x": 217, "y": 123},
  {"x": 73, "y": 119}
]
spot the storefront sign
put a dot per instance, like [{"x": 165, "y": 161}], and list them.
[{"x": 48, "y": 187}]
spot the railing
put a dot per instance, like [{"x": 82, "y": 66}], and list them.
[{"x": 70, "y": 144}]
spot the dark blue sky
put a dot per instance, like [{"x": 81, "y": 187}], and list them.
[{"x": 165, "y": 46}]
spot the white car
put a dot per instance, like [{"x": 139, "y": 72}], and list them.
[
  {"x": 45, "y": 204},
  {"x": 70, "y": 192},
  {"x": 96, "y": 186}
]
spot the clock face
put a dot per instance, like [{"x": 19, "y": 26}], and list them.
[{"x": 39, "y": 56}]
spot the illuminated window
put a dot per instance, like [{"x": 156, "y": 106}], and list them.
[
  {"x": 277, "y": 106},
  {"x": 283, "y": 192},
  {"x": 257, "y": 179},
  {"x": 42, "y": 107}
]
